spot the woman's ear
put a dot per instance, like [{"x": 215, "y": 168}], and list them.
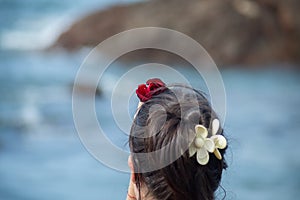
[
  {"x": 130, "y": 164},
  {"x": 131, "y": 194}
]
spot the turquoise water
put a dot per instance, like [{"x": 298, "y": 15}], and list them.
[{"x": 41, "y": 156}]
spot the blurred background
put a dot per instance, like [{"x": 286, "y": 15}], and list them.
[{"x": 42, "y": 44}]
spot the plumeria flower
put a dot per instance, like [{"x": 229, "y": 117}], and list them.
[
  {"x": 201, "y": 145},
  {"x": 219, "y": 140}
]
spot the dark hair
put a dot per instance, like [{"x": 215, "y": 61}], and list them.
[{"x": 180, "y": 109}]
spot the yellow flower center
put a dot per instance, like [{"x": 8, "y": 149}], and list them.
[{"x": 199, "y": 142}]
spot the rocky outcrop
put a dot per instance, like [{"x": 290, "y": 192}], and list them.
[{"x": 232, "y": 31}]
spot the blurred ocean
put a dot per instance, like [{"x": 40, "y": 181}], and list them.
[{"x": 41, "y": 156}]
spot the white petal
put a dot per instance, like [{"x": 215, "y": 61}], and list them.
[
  {"x": 192, "y": 150},
  {"x": 202, "y": 153},
  {"x": 209, "y": 145},
  {"x": 220, "y": 141},
  {"x": 215, "y": 126},
  {"x": 218, "y": 154},
  {"x": 201, "y": 131},
  {"x": 202, "y": 157}
]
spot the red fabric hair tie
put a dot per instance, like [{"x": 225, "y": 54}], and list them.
[{"x": 152, "y": 87}]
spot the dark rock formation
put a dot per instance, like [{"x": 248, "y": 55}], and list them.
[{"x": 232, "y": 31}]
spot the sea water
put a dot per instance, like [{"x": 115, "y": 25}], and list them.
[{"x": 41, "y": 156}]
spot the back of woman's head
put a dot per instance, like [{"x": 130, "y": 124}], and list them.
[{"x": 165, "y": 124}]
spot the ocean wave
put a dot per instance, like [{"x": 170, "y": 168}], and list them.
[
  {"x": 34, "y": 35},
  {"x": 36, "y": 29}
]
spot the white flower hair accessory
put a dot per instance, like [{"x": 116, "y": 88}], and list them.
[{"x": 202, "y": 145}]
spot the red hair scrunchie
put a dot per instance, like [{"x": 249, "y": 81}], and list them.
[{"x": 152, "y": 87}]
